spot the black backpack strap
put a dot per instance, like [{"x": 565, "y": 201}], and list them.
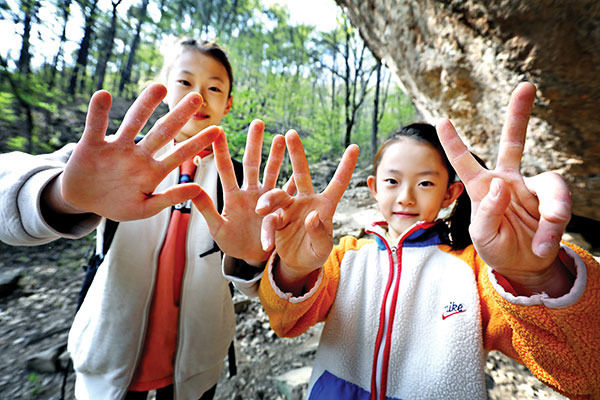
[{"x": 110, "y": 228}]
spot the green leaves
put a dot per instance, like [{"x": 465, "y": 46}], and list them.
[{"x": 290, "y": 76}]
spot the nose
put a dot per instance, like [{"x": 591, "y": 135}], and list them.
[
  {"x": 406, "y": 195},
  {"x": 203, "y": 92}
]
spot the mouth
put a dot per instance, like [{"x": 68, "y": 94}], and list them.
[
  {"x": 200, "y": 116},
  {"x": 405, "y": 214}
]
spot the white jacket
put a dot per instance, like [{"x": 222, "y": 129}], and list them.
[{"x": 107, "y": 335}]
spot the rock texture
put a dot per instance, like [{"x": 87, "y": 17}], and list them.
[{"x": 462, "y": 59}]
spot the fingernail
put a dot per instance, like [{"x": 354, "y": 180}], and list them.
[
  {"x": 196, "y": 99},
  {"x": 262, "y": 203},
  {"x": 265, "y": 241},
  {"x": 495, "y": 187},
  {"x": 315, "y": 220},
  {"x": 543, "y": 249}
]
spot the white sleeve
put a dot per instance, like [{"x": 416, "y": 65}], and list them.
[
  {"x": 245, "y": 277},
  {"x": 23, "y": 177}
]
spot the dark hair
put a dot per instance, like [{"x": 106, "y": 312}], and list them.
[
  {"x": 209, "y": 48},
  {"x": 458, "y": 223}
]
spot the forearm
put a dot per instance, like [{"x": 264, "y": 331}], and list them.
[
  {"x": 23, "y": 209},
  {"x": 554, "y": 337},
  {"x": 292, "y": 315}
]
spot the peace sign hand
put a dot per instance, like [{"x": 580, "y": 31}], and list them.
[
  {"x": 516, "y": 222},
  {"x": 300, "y": 226}
]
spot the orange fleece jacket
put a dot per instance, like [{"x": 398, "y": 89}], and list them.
[{"x": 561, "y": 346}]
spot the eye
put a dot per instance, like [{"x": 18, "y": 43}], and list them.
[
  {"x": 390, "y": 181},
  {"x": 184, "y": 82},
  {"x": 215, "y": 89},
  {"x": 426, "y": 184}
]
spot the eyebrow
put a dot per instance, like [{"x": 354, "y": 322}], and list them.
[
  {"x": 426, "y": 172},
  {"x": 216, "y": 78}
]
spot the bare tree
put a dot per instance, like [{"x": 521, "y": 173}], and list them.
[
  {"x": 107, "y": 46},
  {"x": 90, "y": 11},
  {"x": 126, "y": 74}
]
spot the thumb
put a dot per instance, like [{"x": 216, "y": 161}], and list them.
[
  {"x": 174, "y": 195},
  {"x": 206, "y": 206},
  {"x": 320, "y": 237},
  {"x": 486, "y": 220},
  {"x": 270, "y": 223}
]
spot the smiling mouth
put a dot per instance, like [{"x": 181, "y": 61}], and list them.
[
  {"x": 200, "y": 116},
  {"x": 403, "y": 214}
]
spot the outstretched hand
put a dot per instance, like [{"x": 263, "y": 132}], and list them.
[
  {"x": 300, "y": 226},
  {"x": 237, "y": 229},
  {"x": 115, "y": 177},
  {"x": 516, "y": 222}
]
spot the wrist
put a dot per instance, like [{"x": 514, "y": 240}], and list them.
[
  {"x": 556, "y": 280},
  {"x": 291, "y": 280},
  {"x": 53, "y": 200}
]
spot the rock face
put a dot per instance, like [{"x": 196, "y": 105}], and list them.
[{"x": 461, "y": 59}]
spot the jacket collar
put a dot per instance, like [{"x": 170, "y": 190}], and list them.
[{"x": 421, "y": 234}]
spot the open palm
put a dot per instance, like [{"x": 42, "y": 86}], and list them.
[
  {"x": 237, "y": 229},
  {"x": 114, "y": 177}
]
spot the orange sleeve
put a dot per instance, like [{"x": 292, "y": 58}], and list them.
[
  {"x": 291, "y": 316},
  {"x": 558, "y": 342}
]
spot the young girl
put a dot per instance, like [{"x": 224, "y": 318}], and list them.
[
  {"x": 159, "y": 313},
  {"x": 411, "y": 312}
]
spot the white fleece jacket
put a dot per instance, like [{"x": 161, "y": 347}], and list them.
[{"x": 108, "y": 331}]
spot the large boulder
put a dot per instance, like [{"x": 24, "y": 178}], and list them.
[{"x": 462, "y": 59}]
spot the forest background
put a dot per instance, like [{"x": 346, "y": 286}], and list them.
[{"x": 325, "y": 84}]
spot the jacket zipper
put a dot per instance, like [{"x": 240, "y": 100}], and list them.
[
  {"x": 394, "y": 254},
  {"x": 391, "y": 251}
]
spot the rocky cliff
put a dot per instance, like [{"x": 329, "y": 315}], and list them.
[{"x": 462, "y": 59}]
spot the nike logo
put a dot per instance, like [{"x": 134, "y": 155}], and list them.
[
  {"x": 444, "y": 316},
  {"x": 453, "y": 309}
]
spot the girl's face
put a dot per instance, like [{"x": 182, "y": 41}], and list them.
[
  {"x": 411, "y": 185},
  {"x": 197, "y": 72}
]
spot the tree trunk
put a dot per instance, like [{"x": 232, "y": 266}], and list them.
[
  {"x": 63, "y": 37},
  {"x": 375, "y": 122},
  {"x": 30, "y": 8},
  {"x": 84, "y": 48},
  {"x": 107, "y": 47},
  {"x": 347, "y": 83},
  {"x": 126, "y": 75}
]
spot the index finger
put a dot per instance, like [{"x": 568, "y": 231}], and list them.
[
  {"x": 190, "y": 147},
  {"x": 166, "y": 128},
  {"x": 224, "y": 164},
  {"x": 336, "y": 188},
  {"x": 514, "y": 130},
  {"x": 299, "y": 163},
  {"x": 465, "y": 165}
]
